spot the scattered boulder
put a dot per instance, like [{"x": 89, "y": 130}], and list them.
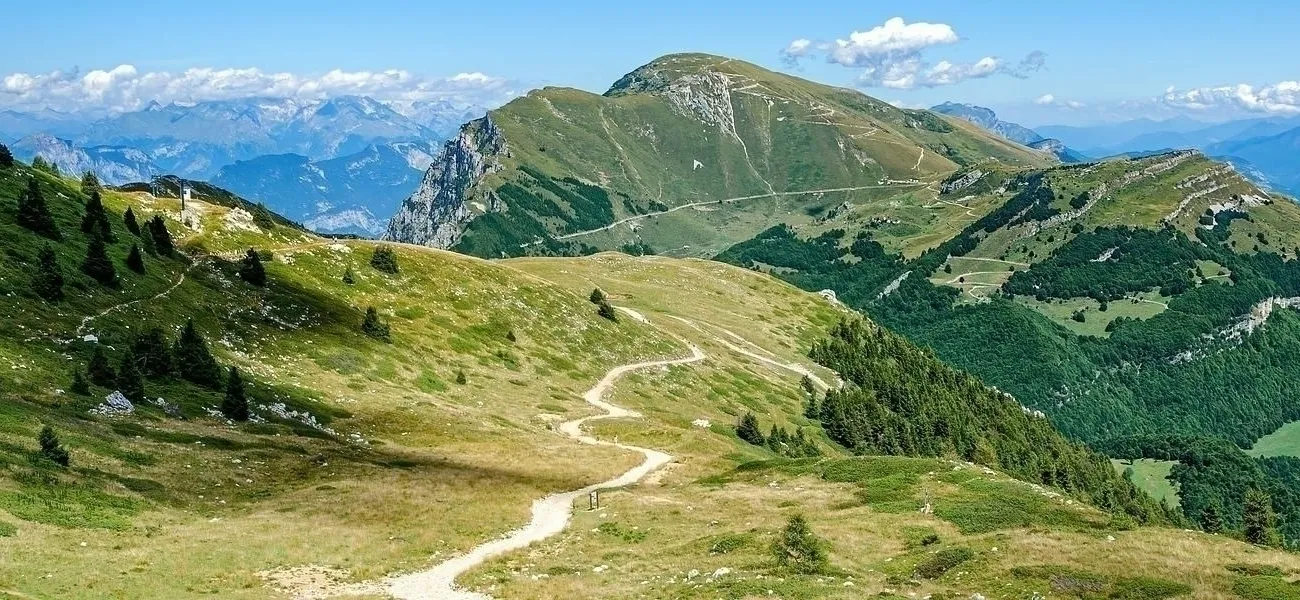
[{"x": 115, "y": 404}]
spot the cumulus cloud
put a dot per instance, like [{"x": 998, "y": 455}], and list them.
[
  {"x": 124, "y": 88},
  {"x": 891, "y": 55},
  {"x": 1052, "y": 100},
  {"x": 1278, "y": 98}
]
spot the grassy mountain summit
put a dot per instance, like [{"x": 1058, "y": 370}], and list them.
[{"x": 690, "y": 152}]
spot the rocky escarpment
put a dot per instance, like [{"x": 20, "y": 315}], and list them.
[{"x": 437, "y": 213}]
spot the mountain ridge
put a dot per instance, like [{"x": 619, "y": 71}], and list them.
[{"x": 682, "y": 128}]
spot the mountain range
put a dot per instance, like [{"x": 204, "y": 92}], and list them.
[
  {"x": 340, "y": 164},
  {"x": 986, "y": 118},
  {"x": 1263, "y": 147},
  {"x": 349, "y": 194},
  {"x": 921, "y": 359}
]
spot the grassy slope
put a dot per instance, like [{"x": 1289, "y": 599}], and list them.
[
  {"x": 211, "y": 514},
  {"x": 777, "y": 133},
  {"x": 701, "y": 516},
  {"x": 163, "y": 515}
]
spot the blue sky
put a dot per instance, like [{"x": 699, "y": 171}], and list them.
[{"x": 1098, "y": 53}]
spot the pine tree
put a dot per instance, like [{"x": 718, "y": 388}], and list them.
[
  {"x": 798, "y": 549},
  {"x": 153, "y": 356},
  {"x": 1211, "y": 522},
  {"x": 95, "y": 221},
  {"x": 349, "y": 277},
  {"x": 510, "y": 336},
  {"x": 162, "y": 239},
  {"x": 97, "y": 264},
  {"x": 100, "y": 372},
  {"x": 607, "y": 311},
  {"x": 79, "y": 386},
  {"x": 597, "y": 297},
  {"x": 747, "y": 429},
  {"x": 6, "y": 157},
  {"x": 461, "y": 379},
  {"x": 34, "y": 214},
  {"x": 373, "y": 327},
  {"x": 146, "y": 243},
  {"x": 811, "y": 409},
  {"x": 235, "y": 404},
  {"x": 90, "y": 183},
  {"x": 1258, "y": 521},
  {"x": 193, "y": 360},
  {"x": 385, "y": 260},
  {"x": 251, "y": 269},
  {"x": 134, "y": 260},
  {"x": 132, "y": 225},
  {"x": 129, "y": 381},
  {"x": 48, "y": 281},
  {"x": 40, "y": 164},
  {"x": 51, "y": 448}
]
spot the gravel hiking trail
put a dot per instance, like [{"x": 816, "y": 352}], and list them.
[{"x": 550, "y": 514}]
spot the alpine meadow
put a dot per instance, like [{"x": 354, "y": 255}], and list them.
[{"x": 747, "y": 324}]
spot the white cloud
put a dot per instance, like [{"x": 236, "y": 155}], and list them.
[
  {"x": 1052, "y": 100},
  {"x": 1278, "y": 98},
  {"x": 124, "y": 88},
  {"x": 890, "y": 55}
]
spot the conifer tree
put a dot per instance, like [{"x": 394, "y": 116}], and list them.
[
  {"x": 251, "y": 269},
  {"x": 349, "y": 277},
  {"x": 48, "y": 281},
  {"x": 811, "y": 408},
  {"x": 128, "y": 219},
  {"x": 97, "y": 264},
  {"x": 162, "y": 239},
  {"x": 235, "y": 404},
  {"x": 34, "y": 214},
  {"x": 153, "y": 356},
  {"x": 373, "y": 327},
  {"x": 193, "y": 360},
  {"x": 100, "y": 372},
  {"x": 6, "y": 157},
  {"x": 798, "y": 549},
  {"x": 51, "y": 448},
  {"x": 90, "y": 183},
  {"x": 1258, "y": 521},
  {"x": 134, "y": 260},
  {"x": 79, "y": 386},
  {"x": 129, "y": 381},
  {"x": 747, "y": 429},
  {"x": 607, "y": 311},
  {"x": 384, "y": 259},
  {"x": 146, "y": 242},
  {"x": 95, "y": 220},
  {"x": 461, "y": 379},
  {"x": 40, "y": 164},
  {"x": 597, "y": 297},
  {"x": 1211, "y": 522}
]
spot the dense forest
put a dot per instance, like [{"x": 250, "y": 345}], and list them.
[
  {"x": 1214, "y": 480},
  {"x": 901, "y": 400},
  {"x": 1166, "y": 373}
]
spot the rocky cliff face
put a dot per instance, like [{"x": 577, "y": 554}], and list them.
[{"x": 437, "y": 213}]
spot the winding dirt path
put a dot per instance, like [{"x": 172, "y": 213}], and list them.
[
  {"x": 86, "y": 321},
  {"x": 550, "y": 514},
  {"x": 674, "y": 209}
]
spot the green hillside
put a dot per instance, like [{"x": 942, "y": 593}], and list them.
[
  {"x": 380, "y": 445},
  {"x": 1122, "y": 298},
  {"x": 685, "y": 155}
]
